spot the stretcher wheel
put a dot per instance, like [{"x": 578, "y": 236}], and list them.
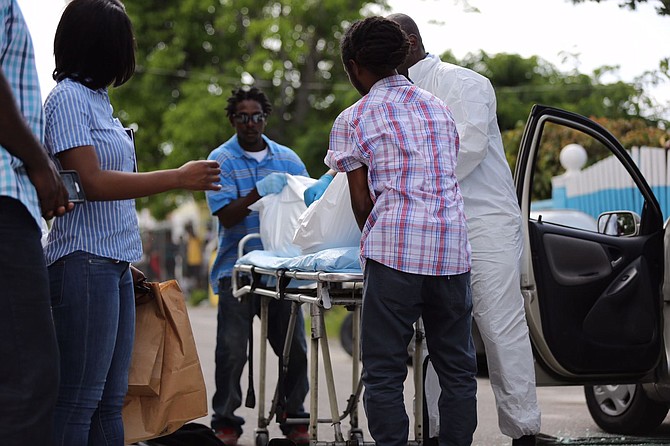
[
  {"x": 355, "y": 438},
  {"x": 262, "y": 439}
]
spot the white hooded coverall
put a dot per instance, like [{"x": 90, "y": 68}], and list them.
[{"x": 495, "y": 233}]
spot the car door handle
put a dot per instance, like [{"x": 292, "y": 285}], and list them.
[{"x": 616, "y": 262}]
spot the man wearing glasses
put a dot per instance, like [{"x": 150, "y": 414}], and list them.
[{"x": 252, "y": 166}]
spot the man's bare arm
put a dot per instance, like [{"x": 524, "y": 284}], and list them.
[{"x": 17, "y": 138}]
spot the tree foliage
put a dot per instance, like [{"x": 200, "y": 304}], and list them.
[
  {"x": 662, "y": 6},
  {"x": 192, "y": 53},
  {"x": 522, "y": 82},
  {"x": 631, "y": 132}
]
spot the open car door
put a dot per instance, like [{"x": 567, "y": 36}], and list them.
[{"x": 593, "y": 294}]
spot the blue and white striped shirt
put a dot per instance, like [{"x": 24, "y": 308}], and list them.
[
  {"x": 239, "y": 175},
  {"x": 78, "y": 116},
  {"x": 18, "y": 64}
]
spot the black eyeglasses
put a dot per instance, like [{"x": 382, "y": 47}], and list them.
[{"x": 243, "y": 118}]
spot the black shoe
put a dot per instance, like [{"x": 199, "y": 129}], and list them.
[{"x": 526, "y": 440}]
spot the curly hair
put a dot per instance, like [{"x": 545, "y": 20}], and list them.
[
  {"x": 376, "y": 43},
  {"x": 248, "y": 94}
]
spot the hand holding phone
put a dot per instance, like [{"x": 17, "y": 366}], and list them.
[{"x": 73, "y": 185}]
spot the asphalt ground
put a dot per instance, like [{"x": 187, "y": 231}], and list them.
[{"x": 565, "y": 418}]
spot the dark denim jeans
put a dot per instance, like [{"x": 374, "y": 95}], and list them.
[
  {"x": 392, "y": 302},
  {"x": 234, "y": 320},
  {"x": 94, "y": 311},
  {"x": 28, "y": 349}
]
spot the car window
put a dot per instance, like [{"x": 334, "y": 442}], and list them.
[
  {"x": 576, "y": 179},
  {"x": 566, "y": 217}
]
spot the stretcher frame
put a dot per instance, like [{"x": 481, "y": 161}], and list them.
[{"x": 331, "y": 288}]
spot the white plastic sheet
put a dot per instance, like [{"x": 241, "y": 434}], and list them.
[
  {"x": 329, "y": 222},
  {"x": 279, "y": 213}
]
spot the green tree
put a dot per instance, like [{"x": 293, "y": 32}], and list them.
[
  {"x": 630, "y": 131},
  {"x": 662, "y": 6},
  {"x": 662, "y": 74},
  {"x": 521, "y": 82},
  {"x": 192, "y": 53}
]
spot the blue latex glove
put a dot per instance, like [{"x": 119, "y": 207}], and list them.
[
  {"x": 316, "y": 190},
  {"x": 271, "y": 184}
]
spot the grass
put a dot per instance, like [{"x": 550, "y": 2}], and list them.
[
  {"x": 333, "y": 319},
  {"x": 197, "y": 296}
]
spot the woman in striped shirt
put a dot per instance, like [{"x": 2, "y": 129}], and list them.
[{"x": 89, "y": 251}]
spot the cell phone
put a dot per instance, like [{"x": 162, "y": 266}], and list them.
[
  {"x": 75, "y": 191},
  {"x": 131, "y": 133}
]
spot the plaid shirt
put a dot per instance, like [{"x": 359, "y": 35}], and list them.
[
  {"x": 17, "y": 60},
  {"x": 408, "y": 140}
]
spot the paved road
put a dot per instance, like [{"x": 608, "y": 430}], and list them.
[{"x": 565, "y": 418}]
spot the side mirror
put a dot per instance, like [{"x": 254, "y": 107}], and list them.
[{"x": 619, "y": 223}]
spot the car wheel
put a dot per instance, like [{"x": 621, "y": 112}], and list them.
[{"x": 624, "y": 409}]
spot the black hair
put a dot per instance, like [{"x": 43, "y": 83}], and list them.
[
  {"x": 95, "y": 44},
  {"x": 376, "y": 43},
  {"x": 248, "y": 94}
]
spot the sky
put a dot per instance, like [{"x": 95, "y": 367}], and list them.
[{"x": 572, "y": 37}]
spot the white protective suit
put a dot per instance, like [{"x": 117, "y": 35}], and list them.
[{"x": 495, "y": 233}]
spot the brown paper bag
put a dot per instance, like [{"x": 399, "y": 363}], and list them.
[
  {"x": 182, "y": 395},
  {"x": 146, "y": 365}
]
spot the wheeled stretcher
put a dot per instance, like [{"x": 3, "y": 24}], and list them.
[{"x": 325, "y": 279}]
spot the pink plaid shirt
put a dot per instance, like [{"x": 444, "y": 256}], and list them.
[{"x": 408, "y": 139}]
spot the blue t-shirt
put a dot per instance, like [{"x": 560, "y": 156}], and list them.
[
  {"x": 239, "y": 175},
  {"x": 78, "y": 116}
]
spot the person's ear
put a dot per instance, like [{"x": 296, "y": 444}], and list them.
[
  {"x": 354, "y": 68},
  {"x": 413, "y": 42},
  {"x": 347, "y": 65}
]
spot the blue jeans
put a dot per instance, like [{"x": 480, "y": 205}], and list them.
[
  {"x": 233, "y": 329},
  {"x": 28, "y": 349},
  {"x": 94, "y": 310},
  {"x": 392, "y": 302}
]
